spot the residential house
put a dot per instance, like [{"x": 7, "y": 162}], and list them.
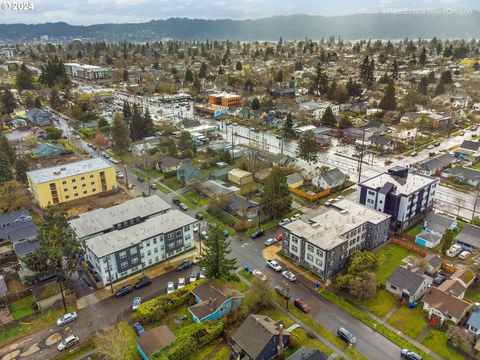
[
  {"x": 167, "y": 163},
  {"x": 318, "y": 109},
  {"x": 468, "y": 150},
  {"x": 216, "y": 188},
  {"x": 38, "y": 117},
  {"x": 295, "y": 180},
  {"x": 323, "y": 240},
  {"x": 442, "y": 306},
  {"x": 330, "y": 179},
  {"x": 433, "y": 263},
  {"x": 239, "y": 205},
  {"x": 306, "y": 353},
  {"x": 439, "y": 121},
  {"x": 469, "y": 238},
  {"x": 466, "y": 175},
  {"x": 409, "y": 284},
  {"x": 221, "y": 173},
  {"x": 18, "y": 228},
  {"x": 434, "y": 227},
  {"x": 188, "y": 174},
  {"x": 240, "y": 177},
  {"x": 18, "y": 122},
  {"x": 473, "y": 322},
  {"x": 213, "y": 301},
  {"x": 259, "y": 338},
  {"x": 47, "y": 149},
  {"x": 382, "y": 142},
  {"x": 282, "y": 92},
  {"x": 435, "y": 165},
  {"x": 153, "y": 341},
  {"x": 406, "y": 197}
]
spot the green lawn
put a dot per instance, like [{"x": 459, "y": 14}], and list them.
[
  {"x": 188, "y": 203},
  {"x": 222, "y": 353},
  {"x": 473, "y": 293},
  {"x": 246, "y": 275},
  {"x": 213, "y": 219},
  {"x": 195, "y": 198},
  {"x": 239, "y": 285},
  {"x": 379, "y": 305},
  {"x": 391, "y": 256},
  {"x": 172, "y": 183},
  {"x": 436, "y": 341},
  {"x": 409, "y": 321},
  {"x": 415, "y": 230},
  {"x": 162, "y": 188},
  {"x": 22, "y": 307},
  {"x": 205, "y": 351}
]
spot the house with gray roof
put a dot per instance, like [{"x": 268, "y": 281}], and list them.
[
  {"x": 330, "y": 179},
  {"x": 38, "y": 117},
  {"x": 47, "y": 149},
  {"x": 239, "y": 205},
  {"x": 434, "y": 226},
  {"x": 469, "y": 238},
  {"x": 188, "y": 174},
  {"x": 409, "y": 284},
  {"x": 468, "y": 150},
  {"x": 215, "y": 188},
  {"x": 473, "y": 322},
  {"x": 307, "y": 353},
  {"x": 467, "y": 175},
  {"x": 435, "y": 165},
  {"x": 18, "y": 228}
]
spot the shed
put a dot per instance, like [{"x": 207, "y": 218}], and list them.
[
  {"x": 47, "y": 294},
  {"x": 240, "y": 177},
  {"x": 154, "y": 340}
]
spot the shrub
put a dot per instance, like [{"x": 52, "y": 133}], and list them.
[{"x": 241, "y": 226}]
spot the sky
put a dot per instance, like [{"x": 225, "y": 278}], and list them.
[{"x": 87, "y": 12}]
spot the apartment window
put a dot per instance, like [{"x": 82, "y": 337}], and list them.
[
  {"x": 187, "y": 237},
  {"x": 150, "y": 262},
  {"x": 294, "y": 240},
  {"x": 370, "y": 192},
  {"x": 122, "y": 255},
  {"x": 154, "y": 240},
  {"x": 124, "y": 264},
  {"x": 179, "y": 242},
  {"x": 319, "y": 262},
  {"x": 294, "y": 248},
  {"x": 156, "y": 258},
  {"x": 74, "y": 180},
  {"x": 65, "y": 189},
  {"x": 370, "y": 201},
  {"x": 133, "y": 251},
  {"x": 147, "y": 243},
  {"x": 170, "y": 236},
  {"x": 171, "y": 246},
  {"x": 186, "y": 228},
  {"x": 134, "y": 260},
  {"x": 75, "y": 187},
  {"x": 82, "y": 178},
  {"x": 319, "y": 252},
  {"x": 91, "y": 176},
  {"x": 155, "y": 250},
  {"x": 309, "y": 257},
  {"x": 310, "y": 247},
  {"x": 149, "y": 252},
  {"x": 92, "y": 183},
  {"x": 84, "y": 185},
  {"x": 93, "y": 190},
  {"x": 67, "y": 196},
  {"x": 76, "y": 194},
  {"x": 85, "y": 192},
  {"x": 179, "y": 233},
  {"x": 64, "y": 182}
]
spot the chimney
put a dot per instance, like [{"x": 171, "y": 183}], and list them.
[{"x": 280, "y": 341}]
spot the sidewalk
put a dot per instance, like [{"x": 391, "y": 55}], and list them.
[{"x": 152, "y": 272}]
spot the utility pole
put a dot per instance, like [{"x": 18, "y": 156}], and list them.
[
  {"x": 476, "y": 201},
  {"x": 126, "y": 175},
  {"x": 360, "y": 161}
]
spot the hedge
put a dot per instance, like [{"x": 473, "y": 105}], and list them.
[
  {"x": 190, "y": 339},
  {"x": 152, "y": 310}
]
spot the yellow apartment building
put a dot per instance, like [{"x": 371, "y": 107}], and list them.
[{"x": 67, "y": 182}]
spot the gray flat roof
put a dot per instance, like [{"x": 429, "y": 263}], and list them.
[
  {"x": 66, "y": 170},
  {"x": 326, "y": 229},
  {"x": 406, "y": 186},
  {"x": 99, "y": 220},
  {"x": 117, "y": 240}
]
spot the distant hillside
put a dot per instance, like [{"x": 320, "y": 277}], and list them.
[{"x": 294, "y": 27}]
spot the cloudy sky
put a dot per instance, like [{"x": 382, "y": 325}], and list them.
[{"x": 86, "y": 12}]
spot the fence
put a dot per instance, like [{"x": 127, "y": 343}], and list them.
[
  {"x": 409, "y": 246},
  {"x": 311, "y": 197}
]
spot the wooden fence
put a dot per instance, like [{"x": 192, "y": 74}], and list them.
[
  {"x": 409, "y": 246},
  {"x": 311, "y": 197}
]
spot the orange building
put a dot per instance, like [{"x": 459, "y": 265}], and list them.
[{"x": 225, "y": 100}]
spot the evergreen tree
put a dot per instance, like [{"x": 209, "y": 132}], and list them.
[
  {"x": 447, "y": 240},
  {"x": 216, "y": 261},
  {"x": 120, "y": 133},
  {"x": 328, "y": 117},
  {"x": 395, "y": 70},
  {"x": 422, "y": 59},
  {"x": 307, "y": 147},
  {"x": 148, "y": 128},
  {"x": 6, "y": 171},
  {"x": 238, "y": 67},
  {"x": 276, "y": 199},
  {"x": 255, "y": 104},
  {"x": 446, "y": 77},
  {"x": 125, "y": 76},
  {"x": 136, "y": 124},
  {"x": 7, "y": 150},
  {"x": 319, "y": 82},
  {"x": 353, "y": 88},
  {"x": 345, "y": 122},
  {"x": 440, "y": 89},
  {"x": 366, "y": 71},
  {"x": 37, "y": 103},
  {"x": 202, "y": 73},
  {"x": 476, "y": 66},
  {"x": 55, "y": 101},
  {"x": 423, "y": 85},
  {"x": 431, "y": 77},
  {"x": 288, "y": 126},
  {"x": 127, "y": 112},
  {"x": 279, "y": 76},
  {"x": 24, "y": 79},
  {"x": 388, "y": 101},
  {"x": 248, "y": 85},
  {"x": 21, "y": 168},
  {"x": 8, "y": 101},
  {"x": 188, "y": 76}
]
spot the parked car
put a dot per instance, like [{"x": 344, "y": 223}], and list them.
[
  {"x": 139, "y": 329},
  {"x": 284, "y": 222},
  {"x": 295, "y": 217},
  {"x": 258, "y": 274},
  {"x": 68, "y": 342},
  {"x": 68, "y": 317},
  {"x": 274, "y": 265},
  {"x": 289, "y": 276},
  {"x": 464, "y": 254},
  {"x": 440, "y": 279},
  {"x": 185, "y": 264},
  {"x": 170, "y": 287},
  {"x": 301, "y": 305},
  {"x": 430, "y": 147},
  {"x": 127, "y": 289},
  {"x": 144, "y": 281},
  {"x": 413, "y": 154},
  {"x": 197, "y": 259},
  {"x": 153, "y": 186},
  {"x": 140, "y": 178},
  {"x": 204, "y": 234},
  {"x": 202, "y": 274},
  {"x": 436, "y": 144},
  {"x": 282, "y": 292},
  {"x": 410, "y": 355},
  {"x": 136, "y": 303},
  {"x": 257, "y": 234},
  {"x": 346, "y": 336},
  {"x": 120, "y": 174},
  {"x": 193, "y": 277},
  {"x": 270, "y": 241},
  {"x": 454, "y": 250},
  {"x": 183, "y": 206},
  {"x": 329, "y": 203},
  {"x": 198, "y": 216}
]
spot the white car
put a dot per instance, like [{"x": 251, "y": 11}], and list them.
[
  {"x": 430, "y": 147},
  {"x": 464, "y": 254},
  {"x": 136, "y": 303},
  {"x": 120, "y": 174},
  {"x": 181, "y": 283},
  {"x": 274, "y": 265},
  {"x": 195, "y": 229},
  {"x": 193, "y": 277},
  {"x": 295, "y": 217},
  {"x": 68, "y": 342},
  {"x": 454, "y": 250},
  {"x": 170, "y": 287},
  {"x": 289, "y": 276},
  {"x": 270, "y": 241},
  {"x": 283, "y": 222},
  {"x": 258, "y": 274},
  {"x": 68, "y": 317}
]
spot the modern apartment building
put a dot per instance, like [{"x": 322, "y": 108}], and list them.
[
  {"x": 120, "y": 253},
  {"x": 7, "y": 53},
  {"x": 225, "y": 99},
  {"x": 86, "y": 71},
  {"x": 406, "y": 197},
  {"x": 323, "y": 240},
  {"x": 67, "y": 182}
]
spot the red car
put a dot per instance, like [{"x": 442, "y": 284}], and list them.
[{"x": 301, "y": 305}]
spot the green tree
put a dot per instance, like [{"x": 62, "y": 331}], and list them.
[
  {"x": 103, "y": 123},
  {"x": 13, "y": 196},
  {"x": 188, "y": 76},
  {"x": 276, "y": 200},
  {"x": 215, "y": 260},
  {"x": 440, "y": 88},
  {"x": 307, "y": 147},
  {"x": 447, "y": 240},
  {"x": 58, "y": 248},
  {"x": 367, "y": 70},
  {"x": 422, "y": 59},
  {"x": 125, "y": 76},
  {"x": 186, "y": 143},
  {"x": 476, "y": 66},
  {"x": 37, "y": 103},
  {"x": 328, "y": 117},
  {"x": 423, "y": 85},
  {"x": 288, "y": 126},
  {"x": 394, "y": 70},
  {"x": 120, "y": 133},
  {"x": 446, "y": 77},
  {"x": 24, "y": 79},
  {"x": 345, "y": 122},
  {"x": 388, "y": 101},
  {"x": 21, "y": 168},
  {"x": 53, "y": 133},
  {"x": 363, "y": 261},
  {"x": 238, "y": 67},
  {"x": 6, "y": 171},
  {"x": 7, "y": 150},
  {"x": 353, "y": 88},
  {"x": 202, "y": 73},
  {"x": 255, "y": 104},
  {"x": 136, "y": 124},
  {"x": 55, "y": 101},
  {"x": 8, "y": 102}
]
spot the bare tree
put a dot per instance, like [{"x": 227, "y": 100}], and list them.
[
  {"x": 460, "y": 338},
  {"x": 113, "y": 343},
  {"x": 459, "y": 202}
]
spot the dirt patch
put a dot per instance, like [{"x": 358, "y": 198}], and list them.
[
  {"x": 53, "y": 339},
  {"x": 12, "y": 355},
  {"x": 48, "y": 161},
  {"x": 107, "y": 199},
  {"x": 31, "y": 350}
]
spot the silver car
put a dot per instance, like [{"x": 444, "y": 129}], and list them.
[{"x": 68, "y": 317}]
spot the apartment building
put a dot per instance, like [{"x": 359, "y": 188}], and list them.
[
  {"x": 7, "y": 53},
  {"x": 406, "y": 197},
  {"x": 67, "y": 182},
  {"x": 120, "y": 253},
  {"x": 86, "y": 71},
  {"x": 104, "y": 220},
  {"x": 323, "y": 240},
  {"x": 226, "y": 100}
]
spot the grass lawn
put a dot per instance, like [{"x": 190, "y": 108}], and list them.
[
  {"x": 213, "y": 219},
  {"x": 239, "y": 285},
  {"x": 249, "y": 188},
  {"x": 195, "y": 198},
  {"x": 473, "y": 293},
  {"x": 21, "y": 308},
  {"x": 172, "y": 183},
  {"x": 409, "y": 321},
  {"x": 173, "y": 316},
  {"x": 415, "y": 230},
  {"x": 391, "y": 256},
  {"x": 436, "y": 341},
  {"x": 162, "y": 188},
  {"x": 188, "y": 203},
  {"x": 246, "y": 275},
  {"x": 222, "y": 353},
  {"x": 379, "y": 305},
  {"x": 205, "y": 351}
]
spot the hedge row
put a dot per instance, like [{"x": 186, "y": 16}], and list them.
[
  {"x": 153, "y": 310},
  {"x": 190, "y": 339}
]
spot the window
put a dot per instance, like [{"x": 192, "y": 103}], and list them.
[
  {"x": 155, "y": 250},
  {"x": 370, "y": 201},
  {"x": 122, "y": 255},
  {"x": 148, "y": 243},
  {"x": 294, "y": 240},
  {"x": 64, "y": 182},
  {"x": 84, "y": 185},
  {"x": 65, "y": 189},
  {"x": 154, "y": 240},
  {"x": 134, "y": 260},
  {"x": 150, "y": 262},
  {"x": 149, "y": 252},
  {"x": 85, "y": 192},
  {"x": 370, "y": 192},
  {"x": 309, "y": 257},
  {"x": 67, "y": 196},
  {"x": 294, "y": 248},
  {"x": 156, "y": 258},
  {"x": 92, "y": 183},
  {"x": 171, "y": 246},
  {"x": 319, "y": 252},
  {"x": 76, "y": 194},
  {"x": 91, "y": 176},
  {"x": 82, "y": 178},
  {"x": 179, "y": 242},
  {"x": 74, "y": 180},
  {"x": 310, "y": 247},
  {"x": 393, "y": 287},
  {"x": 179, "y": 233},
  {"x": 170, "y": 236},
  {"x": 93, "y": 190},
  {"x": 319, "y": 262},
  {"x": 75, "y": 187},
  {"x": 133, "y": 251},
  {"x": 124, "y": 264}
]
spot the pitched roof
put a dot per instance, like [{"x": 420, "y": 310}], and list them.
[
  {"x": 470, "y": 145},
  {"x": 434, "y": 260},
  {"x": 155, "y": 340},
  {"x": 255, "y": 333},
  {"x": 437, "y": 163},
  {"x": 17, "y": 226},
  {"x": 294, "y": 178},
  {"x": 445, "y": 303},
  {"x": 428, "y": 236},
  {"x": 453, "y": 287},
  {"x": 406, "y": 280},
  {"x": 438, "y": 223},
  {"x": 474, "y": 318},
  {"x": 306, "y": 353},
  {"x": 333, "y": 177},
  {"x": 464, "y": 172},
  {"x": 470, "y": 235}
]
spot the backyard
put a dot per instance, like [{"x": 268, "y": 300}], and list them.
[
  {"x": 409, "y": 321},
  {"x": 195, "y": 198},
  {"x": 436, "y": 341},
  {"x": 21, "y": 308},
  {"x": 380, "y": 305},
  {"x": 391, "y": 256}
]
